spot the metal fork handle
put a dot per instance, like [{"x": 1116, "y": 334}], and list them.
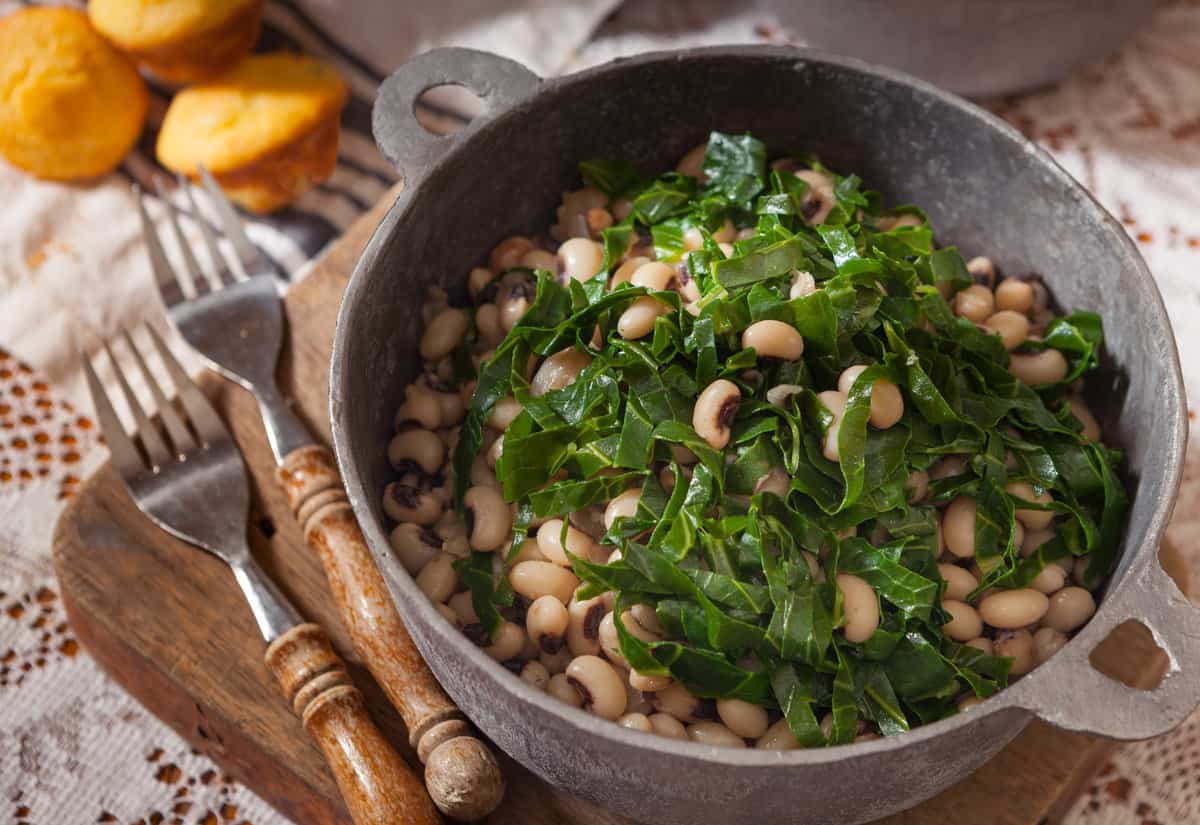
[
  {"x": 461, "y": 773},
  {"x": 285, "y": 431},
  {"x": 272, "y": 610}
]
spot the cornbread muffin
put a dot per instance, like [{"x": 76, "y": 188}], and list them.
[
  {"x": 180, "y": 40},
  {"x": 71, "y": 105},
  {"x": 267, "y": 129}
]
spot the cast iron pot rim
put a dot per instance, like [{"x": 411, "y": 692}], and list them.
[{"x": 1016, "y": 699}]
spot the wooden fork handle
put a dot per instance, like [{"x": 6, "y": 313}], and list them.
[
  {"x": 378, "y": 786},
  {"x": 461, "y": 773}
]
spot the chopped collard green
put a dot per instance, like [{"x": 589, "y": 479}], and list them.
[{"x": 743, "y": 580}]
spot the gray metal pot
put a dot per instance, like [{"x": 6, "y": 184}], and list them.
[
  {"x": 985, "y": 188},
  {"x": 981, "y": 48}
]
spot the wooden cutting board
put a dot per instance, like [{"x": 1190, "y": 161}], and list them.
[{"x": 167, "y": 622}]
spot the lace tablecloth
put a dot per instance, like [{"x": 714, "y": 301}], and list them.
[{"x": 75, "y": 749}]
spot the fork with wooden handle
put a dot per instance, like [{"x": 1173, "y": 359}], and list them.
[
  {"x": 190, "y": 478},
  {"x": 236, "y": 322}
]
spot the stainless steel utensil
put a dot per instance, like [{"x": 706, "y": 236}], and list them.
[
  {"x": 236, "y": 323},
  {"x": 986, "y": 189},
  {"x": 189, "y": 478}
]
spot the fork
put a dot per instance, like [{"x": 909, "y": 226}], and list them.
[
  {"x": 236, "y": 323},
  {"x": 190, "y": 479}
]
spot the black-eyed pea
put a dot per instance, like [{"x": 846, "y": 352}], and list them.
[
  {"x": 1033, "y": 519},
  {"x": 887, "y": 403},
  {"x": 539, "y": 259},
  {"x": 536, "y": 674},
  {"x": 1038, "y": 368},
  {"x": 676, "y": 701},
  {"x": 635, "y": 700},
  {"x": 958, "y": 527},
  {"x": 714, "y": 733},
  {"x": 775, "y": 481},
  {"x": 492, "y": 456},
  {"x": 1051, "y": 579},
  {"x": 773, "y": 339},
  {"x": 715, "y": 409},
  {"x": 916, "y": 486},
  {"x": 478, "y": 278},
  {"x": 507, "y": 643},
  {"x": 420, "y": 408},
  {"x": 550, "y": 542},
  {"x": 636, "y": 721},
  {"x": 778, "y": 737},
  {"x": 779, "y": 394},
  {"x": 487, "y": 322},
  {"x": 625, "y": 505},
  {"x": 727, "y": 233},
  {"x": 443, "y": 333},
  {"x": 820, "y": 199},
  {"x": 583, "y": 627},
  {"x": 513, "y": 298},
  {"x": 624, "y": 273},
  {"x": 561, "y": 689},
  {"x": 959, "y": 582},
  {"x": 964, "y": 623},
  {"x": 646, "y": 618},
  {"x": 503, "y": 412},
  {"x": 726, "y": 249},
  {"x": 1017, "y": 645},
  {"x": 448, "y": 614},
  {"x": 693, "y": 239},
  {"x": 648, "y": 683},
  {"x": 417, "y": 446},
  {"x": 982, "y": 644},
  {"x": 581, "y": 258},
  {"x": 666, "y": 725},
  {"x": 489, "y": 520},
  {"x": 534, "y": 579},
  {"x": 803, "y": 283},
  {"x": 1046, "y": 642},
  {"x": 654, "y": 275},
  {"x": 559, "y": 370},
  {"x": 826, "y": 725},
  {"x": 860, "y": 607},
  {"x": 610, "y": 643},
  {"x": 546, "y": 623},
  {"x": 746, "y": 720},
  {"x": 975, "y": 303},
  {"x": 968, "y": 702},
  {"x": 1011, "y": 609},
  {"x": 1079, "y": 409},
  {"x": 415, "y": 546},
  {"x": 556, "y": 662},
  {"x": 464, "y": 608},
  {"x": 1014, "y": 295},
  {"x": 1069, "y": 609},
  {"x": 692, "y": 164},
  {"x": 948, "y": 467},
  {"x": 598, "y": 219},
  {"x": 508, "y": 252},
  {"x": 1011, "y": 326},
  {"x": 602, "y": 690},
  {"x": 408, "y": 502},
  {"x": 437, "y": 579},
  {"x": 982, "y": 270},
  {"x": 637, "y": 321},
  {"x": 1033, "y": 539}
]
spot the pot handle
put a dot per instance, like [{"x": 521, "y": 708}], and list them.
[
  {"x": 500, "y": 82},
  {"x": 1069, "y": 693}
]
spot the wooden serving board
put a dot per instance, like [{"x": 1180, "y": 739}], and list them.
[{"x": 167, "y": 622}]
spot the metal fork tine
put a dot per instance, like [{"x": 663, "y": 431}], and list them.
[
  {"x": 189, "y": 260},
  {"x": 170, "y": 287},
  {"x": 220, "y": 267},
  {"x": 125, "y": 455},
  {"x": 152, "y": 441},
  {"x": 204, "y": 418},
  {"x": 181, "y": 439},
  {"x": 252, "y": 260}
]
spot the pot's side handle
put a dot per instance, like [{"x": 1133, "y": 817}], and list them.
[
  {"x": 1073, "y": 695},
  {"x": 498, "y": 81}
]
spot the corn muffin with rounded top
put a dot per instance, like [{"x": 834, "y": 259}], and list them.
[
  {"x": 267, "y": 129},
  {"x": 180, "y": 40},
  {"x": 71, "y": 105}
]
